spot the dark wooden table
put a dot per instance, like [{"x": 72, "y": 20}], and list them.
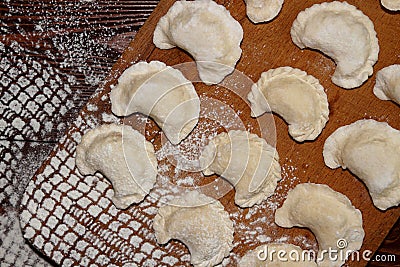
[{"x": 54, "y": 54}]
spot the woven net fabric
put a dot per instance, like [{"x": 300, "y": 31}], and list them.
[
  {"x": 73, "y": 221},
  {"x": 50, "y": 64}
]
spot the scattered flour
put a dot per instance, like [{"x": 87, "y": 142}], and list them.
[
  {"x": 132, "y": 231},
  {"x": 14, "y": 251}
]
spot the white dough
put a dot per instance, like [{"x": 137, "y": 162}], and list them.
[
  {"x": 328, "y": 214},
  {"x": 205, "y": 30},
  {"x": 371, "y": 151},
  {"x": 201, "y": 223},
  {"x": 263, "y": 10},
  {"x": 162, "y": 93},
  {"x": 122, "y": 155},
  {"x": 292, "y": 257},
  {"x": 299, "y": 98},
  {"x": 387, "y": 86},
  {"x": 343, "y": 33},
  {"x": 393, "y": 5},
  {"x": 245, "y": 160}
]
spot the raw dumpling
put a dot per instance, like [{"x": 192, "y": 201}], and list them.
[
  {"x": 297, "y": 97},
  {"x": 387, "y": 86},
  {"x": 247, "y": 161},
  {"x": 335, "y": 222},
  {"x": 263, "y": 256},
  {"x": 371, "y": 151},
  {"x": 201, "y": 223},
  {"x": 343, "y": 33},
  {"x": 263, "y": 10},
  {"x": 160, "y": 92},
  {"x": 393, "y": 5},
  {"x": 124, "y": 156},
  {"x": 205, "y": 30}
]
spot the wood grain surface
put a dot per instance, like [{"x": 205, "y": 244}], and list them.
[{"x": 267, "y": 46}]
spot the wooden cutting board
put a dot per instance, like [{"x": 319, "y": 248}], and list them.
[{"x": 71, "y": 219}]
